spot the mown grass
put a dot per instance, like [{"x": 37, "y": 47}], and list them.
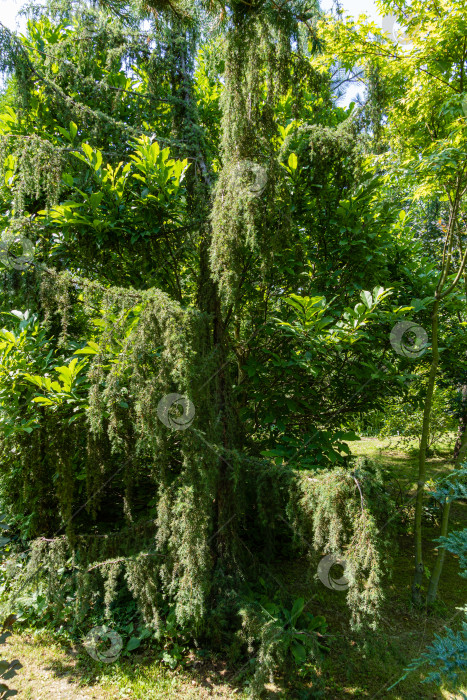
[{"x": 358, "y": 665}]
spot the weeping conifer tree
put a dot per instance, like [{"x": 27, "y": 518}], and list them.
[{"x": 172, "y": 515}]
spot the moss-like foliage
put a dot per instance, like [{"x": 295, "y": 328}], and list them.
[
  {"x": 120, "y": 496},
  {"x": 247, "y": 218}
]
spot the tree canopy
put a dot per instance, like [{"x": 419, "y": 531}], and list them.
[{"x": 210, "y": 272}]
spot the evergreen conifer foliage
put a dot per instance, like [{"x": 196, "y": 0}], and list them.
[{"x": 151, "y": 267}]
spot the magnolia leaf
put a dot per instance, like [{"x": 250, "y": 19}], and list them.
[
  {"x": 134, "y": 643},
  {"x": 293, "y": 161},
  {"x": 367, "y": 299},
  {"x": 42, "y": 400}
]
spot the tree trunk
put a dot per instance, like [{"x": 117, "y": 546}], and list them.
[
  {"x": 462, "y": 422},
  {"x": 419, "y": 567},
  {"x": 438, "y": 567}
]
